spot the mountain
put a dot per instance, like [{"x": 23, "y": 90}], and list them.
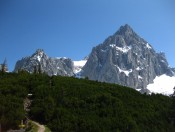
[
  {"x": 127, "y": 59},
  {"x": 51, "y": 66},
  {"x": 123, "y": 58}
]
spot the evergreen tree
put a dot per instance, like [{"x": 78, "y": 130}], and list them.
[{"x": 4, "y": 67}]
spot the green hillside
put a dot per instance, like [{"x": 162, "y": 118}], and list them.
[{"x": 71, "y": 104}]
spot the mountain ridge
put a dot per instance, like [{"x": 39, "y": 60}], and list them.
[
  {"x": 52, "y": 66},
  {"x": 123, "y": 58}
]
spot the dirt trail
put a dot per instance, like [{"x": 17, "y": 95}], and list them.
[
  {"x": 41, "y": 128},
  {"x": 27, "y": 104}
]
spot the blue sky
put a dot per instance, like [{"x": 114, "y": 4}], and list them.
[{"x": 71, "y": 28}]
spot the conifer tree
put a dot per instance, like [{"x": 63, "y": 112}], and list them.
[{"x": 4, "y": 67}]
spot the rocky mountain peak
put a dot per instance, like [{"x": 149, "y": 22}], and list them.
[
  {"x": 125, "y": 29},
  {"x": 39, "y": 55},
  {"x": 125, "y": 37},
  {"x": 51, "y": 66},
  {"x": 127, "y": 59},
  {"x": 38, "y": 51}
]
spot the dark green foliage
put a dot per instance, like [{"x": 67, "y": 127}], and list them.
[
  {"x": 12, "y": 93},
  {"x": 70, "y": 104}
]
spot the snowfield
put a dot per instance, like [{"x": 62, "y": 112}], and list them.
[
  {"x": 162, "y": 84},
  {"x": 78, "y": 65}
]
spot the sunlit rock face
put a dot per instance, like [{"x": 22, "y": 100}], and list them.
[
  {"x": 51, "y": 66},
  {"x": 127, "y": 59}
]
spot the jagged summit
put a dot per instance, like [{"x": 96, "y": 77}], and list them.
[
  {"x": 39, "y": 55},
  {"x": 51, "y": 66},
  {"x": 127, "y": 59},
  {"x": 125, "y": 36},
  {"x": 125, "y": 29},
  {"x": 39, "y": 52}
]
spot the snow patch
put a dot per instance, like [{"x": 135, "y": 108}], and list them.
[
  {"x": 148, "y": 46},
  {"x": 78, "y": 65},
  {"x": 39, "y": 55},
  {"x": 61, "y": 58},
  {"x": 138, "y": 89},
  {"x": 39, "y": 58},
  {"x": 124, "y": 49},
  {"x": 162, "y": 84},
  {"x": 138, "y": 69},
  {"x": 139, "y": 77},
  {"x": 162, "y": 61},
  {"x": 103, "y": 50},
  {"x": 124, "y": 71},
  {"x": 112, "y": 45}
]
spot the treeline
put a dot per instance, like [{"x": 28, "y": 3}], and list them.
[{"x": 71, "y": 104}]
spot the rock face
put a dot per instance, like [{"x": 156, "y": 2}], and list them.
[
  {"x": 123, "y": 58},
  {"x": 127, "y": 59},
  {"x": 51, "y": 66}
]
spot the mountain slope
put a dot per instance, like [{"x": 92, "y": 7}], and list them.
[
  {"x": 51, "y": 66},
  {"x": 127, "y": 59}
]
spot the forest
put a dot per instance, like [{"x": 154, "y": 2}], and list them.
[{"x": 71, "y": 104}]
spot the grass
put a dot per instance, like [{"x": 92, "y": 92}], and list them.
[
  {"x": 32, "y": 127},
  {"x": 47, "y": 129}
]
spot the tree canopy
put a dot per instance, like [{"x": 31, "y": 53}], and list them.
[{"x": 71, "y": 104}]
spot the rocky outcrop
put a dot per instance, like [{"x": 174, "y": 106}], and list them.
[
  {"x": 51, "y": 66},
  {"x": 127, "y": 59}
]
